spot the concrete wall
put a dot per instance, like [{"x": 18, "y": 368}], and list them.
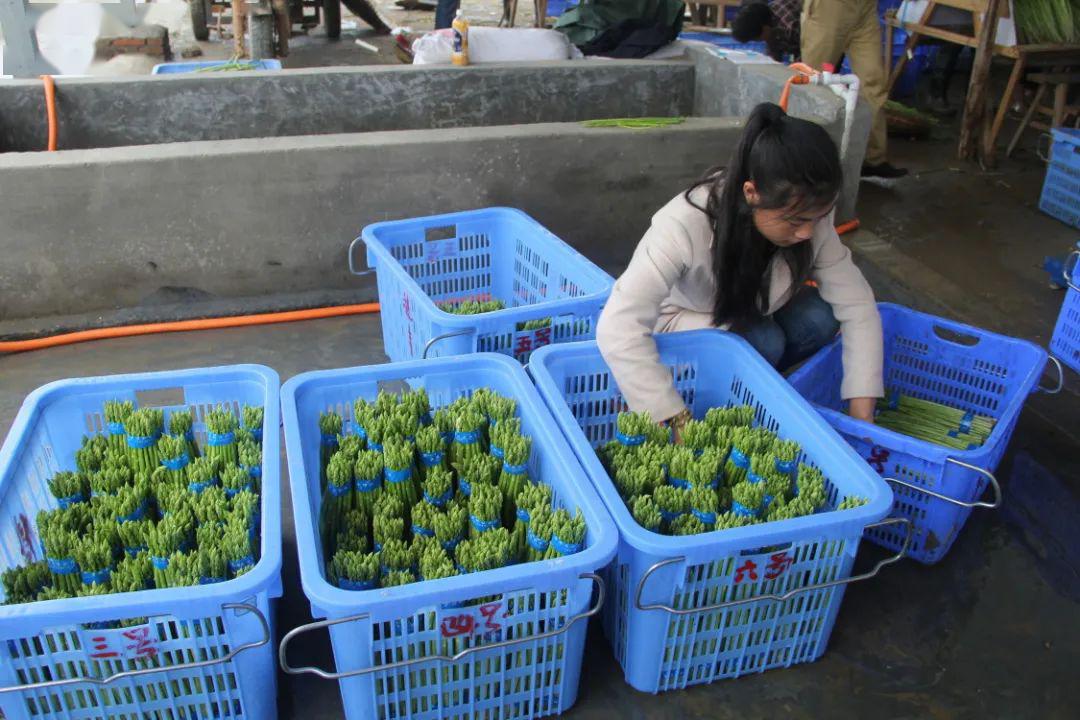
[{"x": 100, "y": 112}]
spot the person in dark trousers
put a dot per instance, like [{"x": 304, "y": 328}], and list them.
[
  {"x": 776, "y": 22},
  {"x": 445, "y": 12}
]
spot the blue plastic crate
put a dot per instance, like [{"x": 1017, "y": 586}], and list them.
[
  {"x": 695, "y": 609},
  {"x": 1065, "y": 343},
  {"x": 547, "y": 603},
  {"x": 725, "y": 41},
  {"x": 173, "y": 68},
  {"x": 947, "y": 362},
  {"x": 206, "y": 651},
  {"x": 492, "y": 254},
  {"x": 1061, "y": 189}
]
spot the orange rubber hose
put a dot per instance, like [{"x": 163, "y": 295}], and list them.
[
  {"x": 802, "y": 76},
  {"x": 13, "y": 346},
  {"x": 50, "y": 109},
  {"x": 849, "y": 226}
]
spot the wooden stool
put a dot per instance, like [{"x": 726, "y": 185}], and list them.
[
  {"x": 702, "y": 10},
  {"x": 1059, "y": 83}
]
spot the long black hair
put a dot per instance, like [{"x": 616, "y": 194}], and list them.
[{"x": 793, "y": 164}]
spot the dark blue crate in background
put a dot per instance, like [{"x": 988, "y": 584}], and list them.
[
  {"x": 1065, "y": 344},
  {"x": 1061, "y": 190},
  {"x": 724, "y": 40}
]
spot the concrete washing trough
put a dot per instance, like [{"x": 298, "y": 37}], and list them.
[{"x": 240, "y": 185}]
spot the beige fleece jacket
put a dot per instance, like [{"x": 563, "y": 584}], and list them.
[{"x": 669, "y": 286}]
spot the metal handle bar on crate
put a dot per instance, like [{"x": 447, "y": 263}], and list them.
[
  {"x": 227, "y": 657},
  {"x": 437, "y": 338},
  {"x": 282, "y": 651},
  {"x": 778, "y": 598},
  {"x": 1061, "y": 377},
  {"x": 976, "y": 504},
  {"x": 352, "y": 252},
  {"x": 1075, "y": 257}
]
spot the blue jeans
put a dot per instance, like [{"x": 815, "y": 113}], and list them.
[
  {"x": 445, "y": 12},
  {"x": 794, "y": 332}
]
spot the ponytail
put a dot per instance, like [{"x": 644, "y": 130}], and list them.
[{"x": 793, "y": 164}]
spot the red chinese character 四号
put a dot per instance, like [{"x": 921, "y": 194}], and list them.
[
  {"x": 456, "y": 625},
  {"x": 490, "y": 611}
]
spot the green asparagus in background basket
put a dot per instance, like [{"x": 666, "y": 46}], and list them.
[
  {"x": 646, "y": 513},
  {"x": 934, "y": 422},
  {"x": 116, "y": 415},
  {"x": 181, "y": 424},
  {"x": 23, "y": 583},
  {"x": 329, "y": 429}
]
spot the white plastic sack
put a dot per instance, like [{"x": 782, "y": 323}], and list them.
[{"x": 494, "y": 45}]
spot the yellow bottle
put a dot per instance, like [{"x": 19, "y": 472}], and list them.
[{"x": 460, "y": 26}]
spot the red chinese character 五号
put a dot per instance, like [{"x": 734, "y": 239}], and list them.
[
  {"x": 749, "y": 568},
  {"x": 778, "y": 565},
  {"x": 523, "y": 346},
  {"x": 490, "y": 611},
  {"x": 457, "y": 625},
  {"x": 542, "y": 337}
]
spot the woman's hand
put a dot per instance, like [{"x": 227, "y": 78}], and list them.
[{"x": 862, "y": 408}]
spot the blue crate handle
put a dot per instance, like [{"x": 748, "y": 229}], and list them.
[
  {"x": 777, "y": 598},
  {"x": 227, "y": 657},
  {"x": 1061, "y": 377},
  {"x": 352, "y": 253},
  {"x": 996, "y": 503},
  {"x": 289, "y": 669},
  {"x": 1067, "y": 271}
]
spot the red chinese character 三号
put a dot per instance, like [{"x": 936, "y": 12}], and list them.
[
  {"x": 457, "y": 625},
  {"x": 523, "y": 346},
  {"x": 490, "y": 612},
  {"x": 542, "y": 337},
  {"x": 878, "y": 457},
  {"x": 143, "y": 645},
  {"x": 749, "y": 568},
  {"x": 778, "y": 565},
  {"x": 102, "y": 647}
]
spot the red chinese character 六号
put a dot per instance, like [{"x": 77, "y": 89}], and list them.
[
  {"x": 542, "y": 337},
  {"x": 749, "y": 568},
  {"x": 778, "y": 565},
  {"x": 457, "y": 625}
]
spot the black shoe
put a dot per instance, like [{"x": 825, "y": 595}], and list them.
[{"x": 881, "y": 172}]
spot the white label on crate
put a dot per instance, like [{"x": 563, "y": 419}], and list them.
[
  {"x": 477, "y": 620},
  {"x": 130, "y": 643},
  {"x": 435, "y": 250}
]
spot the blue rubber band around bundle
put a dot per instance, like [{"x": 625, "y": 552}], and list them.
[
  {"x": 397, "y": 476},
  {"x": 159, "y": 563},
  {"x": 62, "y": 566},
  {"x": 431, "y": 459},
  {"x": 66, "y": 502},
  {"x": 209, "y": 580},
  {"x": 447, "y": 436},
  {"x": 236, "y": 565},
  {"x": 347, "y": 584},
  {"x": 189, "y": 435},
  {"x": 133, "y": 550},
  {"x": 361, "y": 433},
  {"x": 423, "y": 531},
  {"x": 708, "y": 518},
  {"x": 536, "y": 543},
  {"x": 97, "y": 577},
  {"x": 230, "y": 493},
  {"x": 449, "y": 545},
  {"x": 328, "y": 439},
  {"x": 466, "y": 487},
  {"x": 669, "y": 515},
  {"x": 514, "y": 469},
  {"x": 116, "y": 428},
  {"x": 483, "y": 525},
  {"x": 378, "y": 547},
  {"x": 629, "y": 440},
  {"x": 739, "y": 459},
  {"x": 176, "y": 463},
  {"x": 460, "y": 568},
  {"x": 256, "y": 434},
  {"x": 338, "y": 490},
  {"x": 439, "y": 501},
  {"x": 218, "y": 439},
  {"x": 787, "y": 467},
  {"x": 497, "y": 451},
  {"x": 141, "y": 442},
  {"x": 564, "y": 548},
  {"x": 372, "y": 445},
  {"x": 255, "y": 471},
  {"x": 467, "y": 437},
  {"x": 753, "y": 479},
  {"x": 523, "y": 515},
  {"x": 766, "y": 501},
  {"x": 743, "y": 511},
  {"x": 136, "y": 514},
  {"x": 366, "y": 486},
  {"x": 199, "y": 487},
  {"x": 679, "y": 483}
]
